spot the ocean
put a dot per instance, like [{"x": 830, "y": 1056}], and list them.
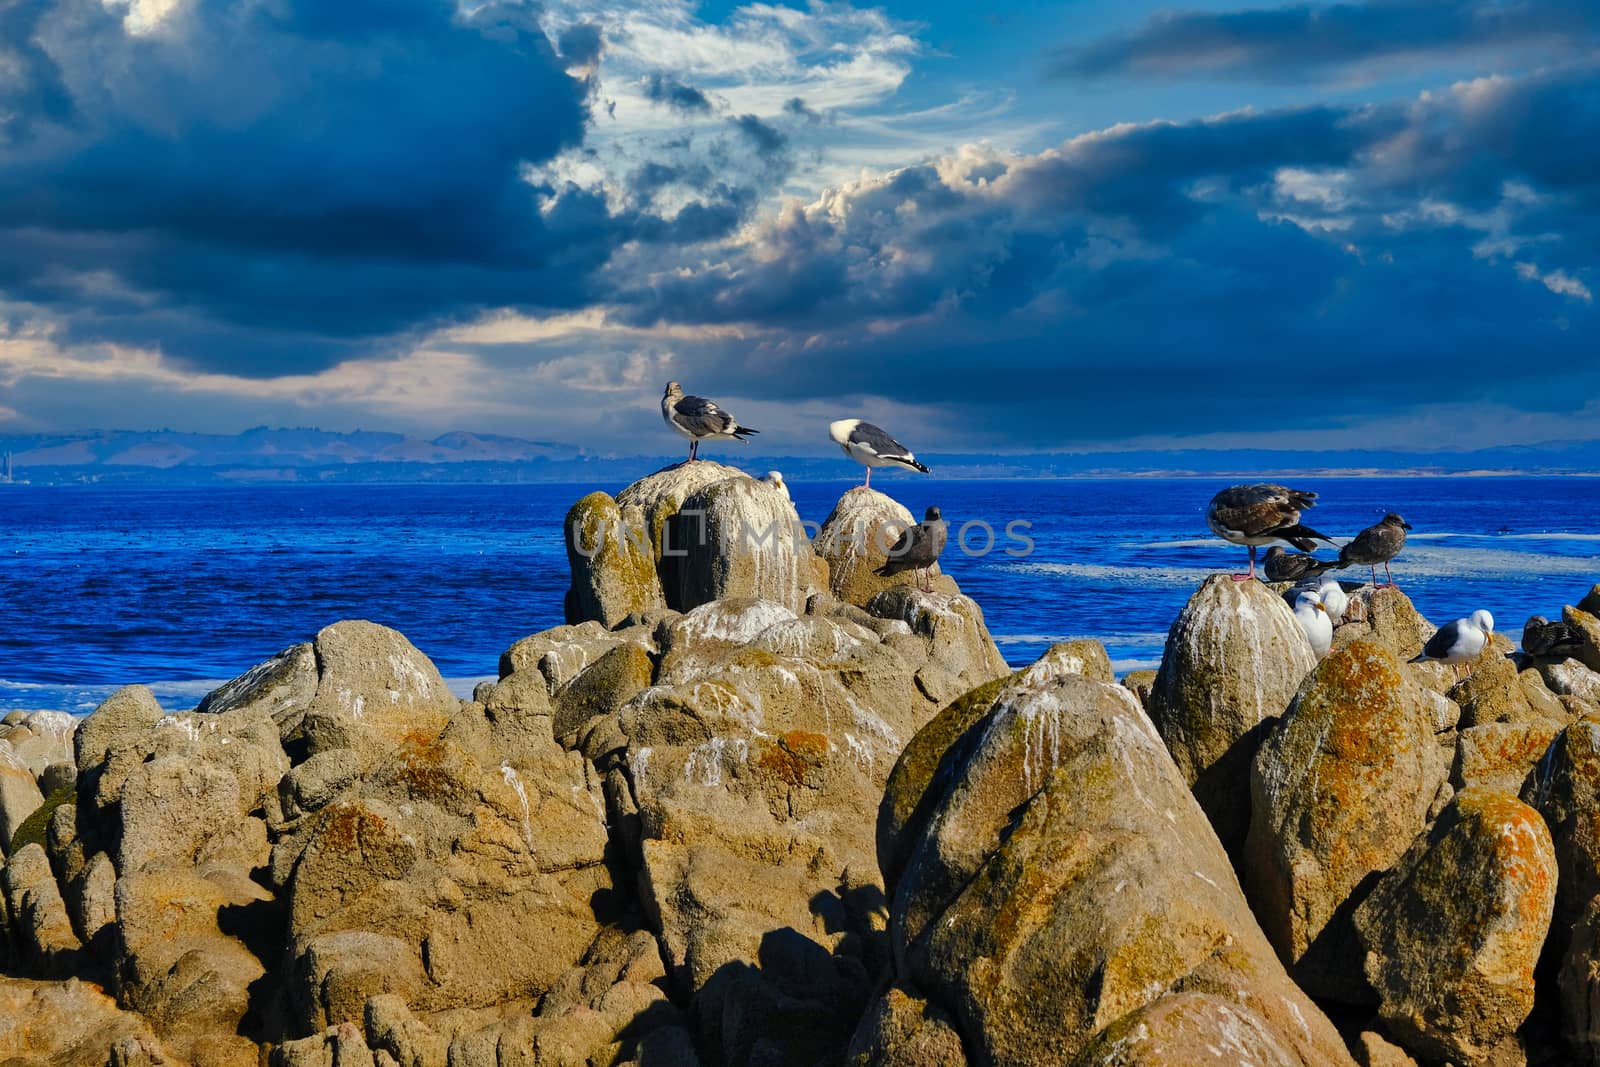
[{"x": 183, "y": 588}]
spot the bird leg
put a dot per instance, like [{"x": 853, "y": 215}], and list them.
[
  {"x": 868, "y": 482},
  {"x": 694, "y": 449},
  {"x": 1374, "y": 567},
  {"x": 1387, "y": 574},
  {"x": 1252, "y": 574}
]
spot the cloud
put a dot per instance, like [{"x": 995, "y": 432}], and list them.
[
  {"x": 1298, "y": 41},
  {"x": 664, "y": 89}
]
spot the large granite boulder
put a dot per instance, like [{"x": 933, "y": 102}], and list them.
[
  {"x": 20, "y": 797},
  {"x": 855, "y": 540},
  {"x": 738, "y": 538},
  {"x": 283, "y": 686},
  {"x": 1338, "y": 792},
  {"x": 658, "y": 496},
  {"x": 610, "y": 554},
  {"x": 1234, "y": 658},
  {"x": 1064, "y": 890},
  {"x": 1588, "y": 626},
  {"x": 376, "y": 692},
  {"x": 1453, "y": 932},
  {"x": 1591, "y": 601},
  {"x": 1385, "y": 616},
  {"x": 72, "y": 1024}
]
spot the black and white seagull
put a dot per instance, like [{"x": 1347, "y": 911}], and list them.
[
  {"x": 1282, "y": 566},
  {"x": 871, "y": 447},
  {"x": 1256, "y": 515},
  {"x": 1462, "y": 640},
  {"x": 699, "y": 419},
  {"x": 1378, "y": 543},
  {"x": 1544, "y": 639},
  {"x": 918, "y": 548}
]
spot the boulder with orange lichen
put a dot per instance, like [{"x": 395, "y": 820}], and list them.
[
  {"x": 1452, "y": 933},
  {"x": 1338, "y": 792}
]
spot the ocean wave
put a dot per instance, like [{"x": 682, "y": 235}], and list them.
[
  {"x": 1198, "y": 542},
  {"x": 462, "y": 687}
]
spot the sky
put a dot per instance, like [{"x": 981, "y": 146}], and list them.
[{"x": 1004, "y": 227}]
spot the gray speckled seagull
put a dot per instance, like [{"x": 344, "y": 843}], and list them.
[
  {"x": 699, "y": 419},
  {"x": 1256, "y": 515}
]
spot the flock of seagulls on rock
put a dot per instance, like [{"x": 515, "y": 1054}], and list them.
[{"x": 1258, "y": 515}]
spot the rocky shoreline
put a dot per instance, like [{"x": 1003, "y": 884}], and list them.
[{"x": 757, "y": 805}]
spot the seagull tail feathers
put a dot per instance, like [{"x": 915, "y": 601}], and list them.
[{"x": 1303, "y": 537}]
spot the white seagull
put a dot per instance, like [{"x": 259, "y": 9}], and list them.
[
  {"x": 699, "y": 419},
  {"x": 870, "y": 446},
  {"x": 775, "y": 479},
  {"x": 1334, "y": 598},
  {"x": 1312, "y": 615},
  {"x": 1460, "y": 641}
]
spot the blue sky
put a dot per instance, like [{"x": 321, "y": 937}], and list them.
[{"x": 988, "y": 227}]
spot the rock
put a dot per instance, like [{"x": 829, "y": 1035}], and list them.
[
  {"x": 1566, "y": 790},
  {"x": 375, "y": 692},
  {"x": 58, "y": 777},
  {"x": 1571, "y": 678},
  {"x": 557, "y": 656},
  {"x": 1142, "y": 685},
  {"x": 855, "y": 540},
  {"x": 124, "y": 717},
  {"x": 738, "y": 538},
  {"x": 1545, "y": 704},
  {"x": 19, "y": 798},
  {"x": 1500, "y": 756},
  {"x": 1591, "y": 601},
  {"x": 1579, "y": 983},
  {"x": 1083, "y": 656},
  {"x": 1187, "y": 1030},
  {"x": 72, "y": 1024},
  {"x": 1588, "y": 627},
  {"x": 1493, "y": 692},
  {"x": 1374, "y": 1050},
  {"x": 659, "y": 496},
  {"x": 602, "y": 688},
  {"x": 610, "y": 554},
  {"x": 1008, "y": 910},
  {"x": 951, "y": 634},
  {"x": 901, "y": 1029},
  {"x": 282, "y": 687},
  {"x": 38, "y": 917},
  {"x": 317, "y": 782},
  {"x": 37, "y": 740},
  {"x": 1391, "y": 621},
  {"x": 1338, "y": 792},
  {"x": 1454, "y": 970},
  {"x": 1233, "y": 660}
]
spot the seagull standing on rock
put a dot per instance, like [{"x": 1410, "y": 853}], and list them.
[
  {"x": 1284, "y": 566},
  {"x": 1257, "y": 515},
  {"x": 775, "y": 479},
  {"x": 870, "y": 446},
  {"x": 699, "y": 419},
  {"x": 1460, "y": 641},
  {"x": 1312, "y": 615},
  {"x": 1377, "y": 544},
  {"x": 918, "y": 548},
  {"x": 1334, "y": 598}
]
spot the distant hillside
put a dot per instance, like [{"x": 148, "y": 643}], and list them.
[{"x": 309, "y": 455}]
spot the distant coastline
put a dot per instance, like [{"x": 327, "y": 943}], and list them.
[{"x": 265, "y": 456}]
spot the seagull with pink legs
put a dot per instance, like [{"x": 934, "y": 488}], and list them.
[
  {"x": 871, "y": 447},
  {"x": 1256, "y": 515}
]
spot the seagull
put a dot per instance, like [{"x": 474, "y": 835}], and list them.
[
  {"x": 1334, "y": 598},
  {"x": 1462, "y": 640},
  {"x": 870, "y": 446},
  {"x": 918, "y": 549},
  {"x": 1260, "y": 514},
  {"x": 1544, "y": 639},
  {"x": 1377, "y": 544},
  {"x": 1284, "y": 566},
  {"x": 1312, "y": 615},
  {"x": 775, "y": 479},
  {"x": 699, "y": 419}
]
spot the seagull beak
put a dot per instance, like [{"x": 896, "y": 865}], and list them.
[
  {"x": 1322, "y": 608},
  {"x": 1405, "y": 526}
]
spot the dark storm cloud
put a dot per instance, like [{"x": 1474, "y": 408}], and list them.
[
  {"x": 269, "y": 189},
  {"x": 670, "y": 92},
  {"x": 1370, "y": 259},
  {"x": 1298, "y": 40}
]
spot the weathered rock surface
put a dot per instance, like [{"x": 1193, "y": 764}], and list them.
[
  {"x": 282, "y": 686},
  {"x": 20, "y": 797},
  {"x": 855, "y": 541},
  {"x": 1588, "y": 626},
  {"x": 1501, "y": 756},
  {"x": 1454, "y": 970},
  {"x": 1010, "y": 912},
  {"x": 1591, "y": 601},
  {"x": 1233, "y": 661},
  {"x": 1571, "y": 678},
  {"x": 1387, "y": 618},
  {"x": 738, "y": 538},
  {"x": 375, "y": 691},
  {"x": 72, "y": 1024},
  {"x": 1338, "y": 791},
  {"x": 612, "y": 560}
]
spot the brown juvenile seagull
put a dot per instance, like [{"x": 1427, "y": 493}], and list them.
[
  {"x": 918, "y": 549},
  {"x": 1544, "y": 639},
  {"x": 1284, "y": 566},
  {"x": 1257, "y": 515},
  {"x": 1377, "y": 544}
]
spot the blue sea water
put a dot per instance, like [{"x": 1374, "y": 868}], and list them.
[{"x": 181, "y": 588}]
